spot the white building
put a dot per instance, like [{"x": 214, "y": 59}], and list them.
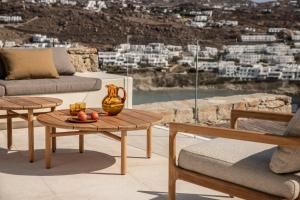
[
  {"x": 200, "y": 18},
  {"x": 208, "y": 13},
  {"x": 197, "y": 24},
  {"x": 256, "y": 48},
  {"x": 191, "y": 48},
  {"x": 36, "y": 45},
  {"x": 250, "y": 58},
  {"x": 258, "y": 38},
  {"x": 68, "y": 2},
  {"x": 38, "y": 38},
  {"x": 46, "y": 1},
  {"x": 226, "y": 23},
  {"x": 96, "y": 6},
  {"x": 153, "y": 54},
  {"x": 108, "y": 58},
  {"x": 291, "y": 72},
  {"x": 208, "y": 66},
  {"x": 10, "y": 19},
  {"x": 279, "y": 59},
  {"x": 274, "y": 74},
  {"x": 297, "y": 44},
  {"x": 276, "y": 30},
  {"x": 278, "y": 49},
  {"x": 8, "y": 44},
  {"x": 240, "y": 72},
  {"x": 188, "y": 60},
  {"x": 296, "y": 37}
]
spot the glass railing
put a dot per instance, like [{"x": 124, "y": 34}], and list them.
[{"x": 181, "y": 79}]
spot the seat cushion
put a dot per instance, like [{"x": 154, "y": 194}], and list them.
[
  {"x": 62, "y": 61},
  {"x": 28, "y": 64},
  {"x": 239, "y": 162},
  {"x": 64, "y": 84},
  {"x": 287, "y": 159}
]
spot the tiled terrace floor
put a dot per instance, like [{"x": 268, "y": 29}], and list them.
[{"x": 95, "y": 173}]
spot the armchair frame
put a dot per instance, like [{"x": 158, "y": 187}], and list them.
[{"x": 177, "y": 173}]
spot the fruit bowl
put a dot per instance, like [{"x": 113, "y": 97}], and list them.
[
  {"x": 83, "y": 117},
  {"x": 77, "y": 120}
]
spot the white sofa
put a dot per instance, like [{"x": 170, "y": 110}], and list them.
[{"x": 92, "y": 98}]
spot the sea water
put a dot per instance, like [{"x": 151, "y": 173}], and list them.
[{"x": 142, "y": 97}]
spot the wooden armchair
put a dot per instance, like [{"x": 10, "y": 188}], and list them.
[{"x": 251, "y": 191}]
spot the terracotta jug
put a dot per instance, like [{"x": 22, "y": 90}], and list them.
[{"x": 113, "y": 104}]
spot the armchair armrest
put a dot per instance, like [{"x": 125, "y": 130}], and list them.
[
  {"x": 234, "y": 134},
  {"x": 264, "y": 115}
]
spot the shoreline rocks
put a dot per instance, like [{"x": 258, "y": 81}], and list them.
[{"x": 217, "y": 110}]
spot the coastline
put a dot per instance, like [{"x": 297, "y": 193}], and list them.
[
  {"x": 154, "y": 81},
  {"x": 285, "y": 89}
]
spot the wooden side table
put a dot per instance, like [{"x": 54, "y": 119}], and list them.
[
  {"x": 28, "y": 104},
  {"x": 127, "y": 120}
]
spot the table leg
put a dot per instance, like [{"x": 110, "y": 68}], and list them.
[
  {"x": 149, "y": 142},
  {"x": 53, "y": 141},
  {"x": 81, "y": 143},
  {"x": 123, "y": 152},
  {"x": 30, "y": 135},
  {"x": 53, "y": 131},
  {"x": 9, "y": 131},
  {"x": 48, "y": 147}
]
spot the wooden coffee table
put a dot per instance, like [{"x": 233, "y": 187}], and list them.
[
  {"x": 28, "y": 104},
  {"x": 127, "y": 120}
]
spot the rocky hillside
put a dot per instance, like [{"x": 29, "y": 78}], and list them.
[{"x": 111, "y": 27}]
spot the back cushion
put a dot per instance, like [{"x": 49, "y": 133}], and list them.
[
  {"x": 62, "y": 61},
  {"x": 28, "y": 63},
  {"x": 287, "y": 159}
]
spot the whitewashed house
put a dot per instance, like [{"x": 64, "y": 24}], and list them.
[
  {"x": 10, "y": 19},
  {"x": 197, "y": 24},
  {"x": 278, "y": 49},
  {"x": 276, "y": 30},
  {"x": 291, "y": 72},
  {"x": 188, "y": 60},
  {"x": 8, "y": 44},
  {"x": 108, "y": 57},
  {"x": 200, "y": 18},
  {"x": 240, "y": 72},
  {"x": 258, "y": 38},
  {"x": 296, "y": 37},
  {"x": 250, "y": 58}
]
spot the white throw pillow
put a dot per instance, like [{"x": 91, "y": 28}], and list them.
[{"x": 287, "y": 159}]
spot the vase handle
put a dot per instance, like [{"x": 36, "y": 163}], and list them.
[{"x": 124, "y": 94}]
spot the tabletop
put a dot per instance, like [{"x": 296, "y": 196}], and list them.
[
  {"x": 24, "y": 103},
  {"x": 128, "y": 119}
]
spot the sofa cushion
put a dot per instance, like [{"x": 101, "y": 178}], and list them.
[
  {"x": 26, "y": 64},
  {"x": 240, "y": 162},
  {"x": 77, "y": 83},
  {"x": 64, "y": 84},
  {"x": 62, "y": 61},
  {"x": 287, "y": 159},
  {"x": 2, "y": 91}
]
